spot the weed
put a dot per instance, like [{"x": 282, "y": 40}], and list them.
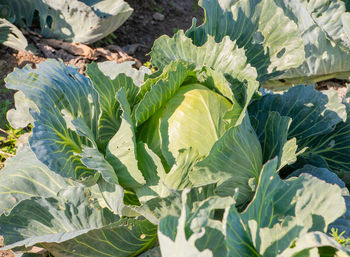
[
  {"x": 8, "y": 135},
  {"x": 8, "y": 143},
  {"x": 339, "y": 237},
  {"x": 108, "y": 40},
  {"x": 156, "y": 8},
  {"x": 149, "y": 66}
]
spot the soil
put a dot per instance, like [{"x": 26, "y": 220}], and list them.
[
  {"x": 138, "y": 33},
  {"x": 5, "y": 253}
]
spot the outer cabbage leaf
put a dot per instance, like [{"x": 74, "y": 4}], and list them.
[
  {"x": 317, "y": 125},
  {"x": 161, "y": 185},
  {"x": 315, "y": 244},
  {"x": 70, "y": 113},
  {"x": 225, "y": 56},
  {"x": 112, "y": 69},
  {"x": 11, "y": 36},
  {"x": 342, "y": 223},
  {"x": 194, "y": 232},
  {"x": 312, "y": 112},
  {"x": 332, "y": 17},
  {"x": 122, "y": 148},
  {"x": 24, "y": 176},
  {"x": 273, "y": 136},
  {"x": 282, "y": 212},
  {"x": 251, "y": 25},
  {"x": 20, "y": 117},
  {"x": 334, "y": 149},
  {"x": 157, "y": 208},
  {"x": 66, "y": 117},
  {"x": 107, "y": 90},
  {"x": 73, "y": 225},
  {"x": 83, "y": 21},
  {"x": 323, "y": 26}
]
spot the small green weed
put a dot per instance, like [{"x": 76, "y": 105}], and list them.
[
  {"x": 339, "y": 237},
  {"x": 195, "y": 6},
  {"x": 108, "y": 40},
  {"x": 4, "y": 107},
  {"x": 8, "y": 143},
  {"x": 8, "y": 136},
  {"x": 149, "y": 66},
  {"x": 156, "y": 8}
]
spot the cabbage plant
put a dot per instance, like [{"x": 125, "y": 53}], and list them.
[
  {"x": 195, "y": 159},
  {"x": 111, "y": 162},
  {"x": 81, "y": 21},
  {"x": 288, "y": 42}
]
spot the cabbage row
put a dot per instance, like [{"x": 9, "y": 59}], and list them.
[{"x": 196, "y": 159}]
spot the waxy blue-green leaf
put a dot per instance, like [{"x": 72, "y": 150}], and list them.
[
  {"x": 66, "y": 117},
  {"x": 315, "y": 244},
  {"x": 332, "y": 17},
  {"x": 154, "y": 252},
  {"x": 154, "y": 173},
  {"x": 159, "y": 207},
  {"x": 225, "y": 57},
  {"x": 273, "y": 137},
  {"x": 11, "y": 36},
  {"x": 160, "y": 184},
  {"x": 74, "y": 225},
  {"x": 20, "y": 116},
  {"x": 342, "y": 223},
  {"x": 24, "y": 176},
  {"x": 112, "y": 69},
  {"x": 84, "y": 21},
  {"x": 107, "y": 90},
  {"x": 322, "y": 25},
  {"x": 281, "y": 213},
  {"x": 312, "y": 112},
  {"x": 179, "y": 176},
  {"x": 93, "y": 159},
  {"x": 194, "y": 232},
  {"x": 255, "y": 27},
  {"x": 122, "y": 148},
  {"x": 234, "y": 159},
  {"x": 334, "y": 149},
  {"x": 317, "y": 124}
]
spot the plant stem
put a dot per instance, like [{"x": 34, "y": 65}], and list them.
[
  {"x": 4, "y": 131},
  {"x": 7, "y": 154}
]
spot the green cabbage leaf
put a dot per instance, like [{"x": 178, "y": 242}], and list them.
[{"x": 83, "y": 21}]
